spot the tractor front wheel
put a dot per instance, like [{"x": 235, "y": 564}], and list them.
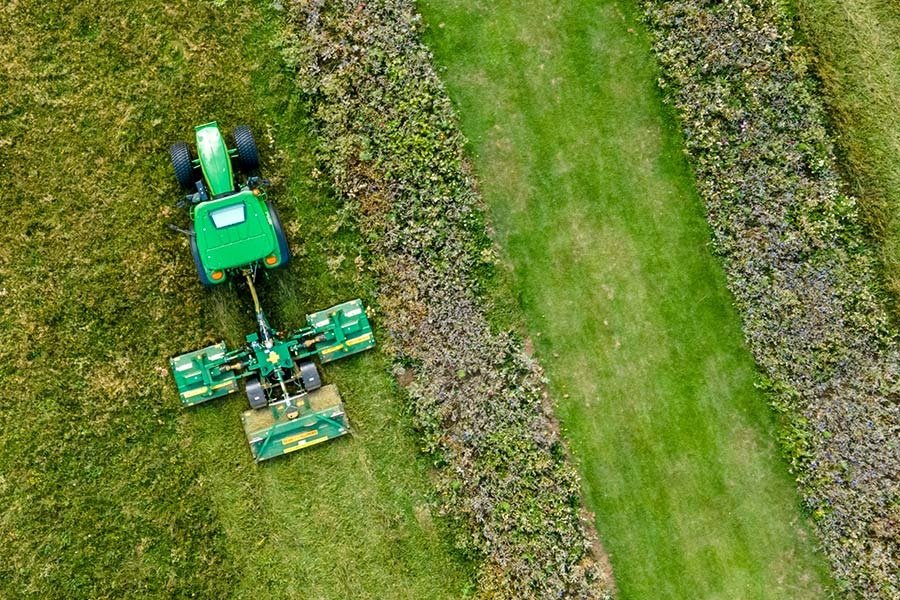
[
  {"x": 283, "y": 248},
  {"x": 195, "y": 252},
  {"x": 180, "y": 153},
  {"x": 247, "y": 154}
]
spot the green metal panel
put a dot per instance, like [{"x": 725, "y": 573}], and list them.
[
  {"x": 345, "y": 330},
  {"x": 198, "y": 377},
  {"x": 281, "y": 428},
  {"x": 238, "y": 244},
  {"x": 265, "y": 360},
  {"x": 215, "y": 161}
]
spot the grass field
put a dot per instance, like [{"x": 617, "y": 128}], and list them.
[
  {"x": 856, "y": 44},
  {"x": 109, "y": 488},
  {"x": 595, "y": 209}
]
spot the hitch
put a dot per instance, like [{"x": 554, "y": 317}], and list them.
[{"x": 178, "y": 229}]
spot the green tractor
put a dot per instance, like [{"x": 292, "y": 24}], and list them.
[
  {"x": 234, "y": 235},
  {"x": 234, "y": 227}
]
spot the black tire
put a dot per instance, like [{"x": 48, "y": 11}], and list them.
[
  {"x": 195, "y": 252},
  {"x": 255, "y": 393},
  {"x": 309, "y": 374},
  {"x": 182, "y": 162},
  {"x": 247, "y": 154},
  {"x": 283, "y": 248}
]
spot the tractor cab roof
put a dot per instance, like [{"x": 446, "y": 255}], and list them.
[{"x": 233, "y": 231}]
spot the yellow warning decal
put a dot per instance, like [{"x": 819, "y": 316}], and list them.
[
  {"x": 306, "y": 444},
  {"x": 194, "y": 392},
  {"x": 299, "y": 436},
  {"x": 358, "y": 340}
]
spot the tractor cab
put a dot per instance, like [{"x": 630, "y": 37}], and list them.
[{"x": 235, "y": 231}]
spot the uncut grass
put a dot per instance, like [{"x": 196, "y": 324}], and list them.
[
  {"x": 856, "y": 49},
  {"x": 109, "y": 488},
  {"x": 595, "y": 210}
]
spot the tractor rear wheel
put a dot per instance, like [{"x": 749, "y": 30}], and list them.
[
  {"x": 195, "y": 252},
  {"x": 247, "y": 154},
  {"x": 283, "y": 248},
  {"x": 180, "y": 153},
  {"x": 255, "y": 393}
]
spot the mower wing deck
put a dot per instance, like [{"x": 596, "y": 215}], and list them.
[{"x": 198, "y": 377}]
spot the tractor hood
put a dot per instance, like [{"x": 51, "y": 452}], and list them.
[
  {"x": 234, "y": 231},
  {"x": 215, "y": 162}
]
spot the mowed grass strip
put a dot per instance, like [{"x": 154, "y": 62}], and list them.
[
  {"x": 856, "y": 45},
  {"x": 109, "y": 488},
  {"x": 595, "y": 209}
]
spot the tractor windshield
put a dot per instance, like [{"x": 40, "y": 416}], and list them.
[{"x": 230, "y": 215}]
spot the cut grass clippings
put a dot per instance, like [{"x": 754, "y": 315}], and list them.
[
  {"x": 595, "y": 208},
  {"x": 109, "y": 488}
]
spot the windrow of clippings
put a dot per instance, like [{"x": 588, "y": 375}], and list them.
[
  {"x": 389, "y": 141},
  {"x": 798, "y": 266}
]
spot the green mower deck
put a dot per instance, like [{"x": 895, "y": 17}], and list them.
[
  {"x": 290, "y": 409},
  {"x": 270, "y": 433}
]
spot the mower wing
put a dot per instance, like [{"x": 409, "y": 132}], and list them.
[
  {"x": 199, "y": 377},
  {"x": 342, "y": 330}
]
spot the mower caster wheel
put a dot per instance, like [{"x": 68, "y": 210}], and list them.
[
  {"x": 309, "y": 374},
  {"x": 247, "y": 154},
  {"x": 255, "y": 393},
  {"x": 180, "y": 153}
]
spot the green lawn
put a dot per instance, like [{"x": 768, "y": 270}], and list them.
[
  {"x": 856, "y": 44},
  {"x": 108, "y": 487},
  {"x": 596, "y": 213}
]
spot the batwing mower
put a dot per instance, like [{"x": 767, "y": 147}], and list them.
[{"x": 234, "y": 234}]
